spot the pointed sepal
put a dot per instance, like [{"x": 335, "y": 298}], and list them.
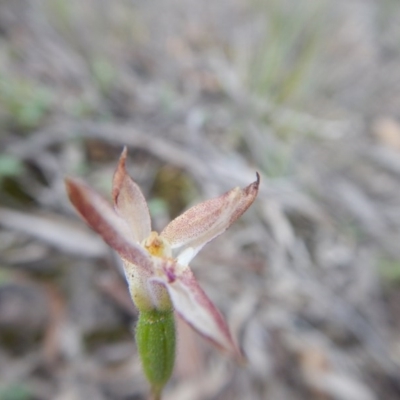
[
  {"x": 129, "y": 201},
  {"x": 197, "y": 226},
  {"x": 101, "y": 217}
]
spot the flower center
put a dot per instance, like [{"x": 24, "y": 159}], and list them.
[{"x": 157, "y": 246}]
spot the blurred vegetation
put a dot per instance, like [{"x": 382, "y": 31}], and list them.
[
  {"x": 104, "y": 74},
  {"x": 172, "y": 189},
  {"x": 15, "y": 392},
  {"x": 389, "y": 271},
  {"x": 24, "y": 104},
  {"x": 10, "y": 166},
  {"x": 282, "y": 66}
]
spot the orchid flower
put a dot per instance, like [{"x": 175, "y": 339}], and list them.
[{"x": 156, "y": 265}]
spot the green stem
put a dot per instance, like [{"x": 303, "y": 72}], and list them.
[
  {"x": 155, "y": 339},
  {"x": 155, "y": 396}
]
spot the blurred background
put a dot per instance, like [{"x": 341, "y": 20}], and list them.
[{"x": 204, "y": 94}]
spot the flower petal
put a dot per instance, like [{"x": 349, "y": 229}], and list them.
[
  {"x": 104, "y": 220},
  {"x": 130, "y": 202},
  {"x": 203, "y": 222},
  {"x": 193, "y": 305}
]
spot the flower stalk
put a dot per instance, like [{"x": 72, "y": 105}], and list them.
[{"x": 155, "y": 340}]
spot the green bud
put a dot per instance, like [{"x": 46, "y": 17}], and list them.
[{"x": 155, "y": 339}]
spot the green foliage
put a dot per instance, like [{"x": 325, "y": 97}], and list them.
[
  {"x": 175, "y": 188},
  {"x": 15, "y": 392},
  {"x": 155, "y": 339},
  {"x": 5, "y": 277},
  {"x": 10, "y": 166},
  {"x": 24, "y": 103},
  {"x": 158, "y": 206},
  {"x": 389, "y": 271},
  {"x": 277, "y": 163},
  {"x": 281, "y": 72},
  {"x": 61, "y": 13},
  {"x": 282, "y": 64},
  {"x": 104, "y": 74}
]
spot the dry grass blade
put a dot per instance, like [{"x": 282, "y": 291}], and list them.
[{"x": 54, "y": 230}]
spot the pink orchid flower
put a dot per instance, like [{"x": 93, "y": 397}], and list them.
[{"x": 156, "y": 265}]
